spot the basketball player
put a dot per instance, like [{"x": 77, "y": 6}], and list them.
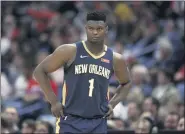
[{"x": 88, "y": 66}]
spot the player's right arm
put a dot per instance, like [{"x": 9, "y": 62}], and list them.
[{"x": 51, "y": 63}]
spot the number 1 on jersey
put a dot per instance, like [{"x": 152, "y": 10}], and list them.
[{"x": 91, "y": 87}]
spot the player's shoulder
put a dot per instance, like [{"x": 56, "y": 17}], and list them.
[
  {"x": 118, "y": 60},
  {"x": 66, "y": 51},
  {"x": 68, "y": 48},
  {"x": 115, "y": 54}
]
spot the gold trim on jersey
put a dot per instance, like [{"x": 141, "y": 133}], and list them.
[
  {"x": 64, "y": 94},
  {"x": 91, "y": 54},
  {"x": 58, "y": 126},
  {"x": 108, "y": 94}
]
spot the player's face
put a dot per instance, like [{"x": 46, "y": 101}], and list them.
[{"x": 96, "y": 31}]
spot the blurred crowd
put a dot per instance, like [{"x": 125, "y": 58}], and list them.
[{"x": 149, "y": 35}]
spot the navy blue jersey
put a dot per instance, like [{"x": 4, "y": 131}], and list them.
[{"x": 86, "y": 80}]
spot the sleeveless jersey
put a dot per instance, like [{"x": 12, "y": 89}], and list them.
[{"x": 85, "y": 88}]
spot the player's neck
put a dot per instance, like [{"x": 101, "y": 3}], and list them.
[{"x": 95, "y": 48}]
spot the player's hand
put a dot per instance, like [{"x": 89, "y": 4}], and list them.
[
  {"x": 109, "y": 114},
  {"x": 57, "y": 109}
]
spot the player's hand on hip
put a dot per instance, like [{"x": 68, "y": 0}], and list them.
[
  {"x": 57, "y": 109},
  {"x": 109, "y": 114}
]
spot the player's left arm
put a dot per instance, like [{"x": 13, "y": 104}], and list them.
[{"x": 123, "y": 76}]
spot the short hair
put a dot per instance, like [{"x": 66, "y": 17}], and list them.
[
  {"x": 174, "y": 113},
  {"x": 96, "y": 15},
  {"x": 30, "y": 123},
  {"x": 47, "y": 124}
]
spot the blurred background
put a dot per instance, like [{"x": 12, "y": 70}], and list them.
[{"x": 149, "y": 35}]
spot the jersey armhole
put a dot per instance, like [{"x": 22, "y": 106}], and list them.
[{"x": 71, "y": 61}]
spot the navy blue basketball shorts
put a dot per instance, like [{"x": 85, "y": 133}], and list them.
[{"x": 73, "y": 125}]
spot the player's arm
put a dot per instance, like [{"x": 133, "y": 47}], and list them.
[
  {"x": 123, "y": 76},
  {"x": 51, "y": 63}
]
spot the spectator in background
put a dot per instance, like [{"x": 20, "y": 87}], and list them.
[
  {"x": 144, "y": 125},
  {"x": 173, "y": 34},
  {"x": 136, "y": 95},
  {"x": 152, "y": 105},
  {"x": 5, "y": 44},
  {"x": 180, "y": 125},
  {"x": 12, "y": 119},
  {"x": 163, "y": 54},
  {"x": 4, "y": 124},
  {"x": 133, "y": 114},
  {"x": 179, "y": 75},
  {"x": 171, "y": 120},
  {"x": 181, "y": 109},
  {"x": 141, "y": 79},
  {"x": 124, "y": 16},
  {"x": 19, "y": 82},
  {"x": 33, "y": 92},
  {"x": 124, "y": 12},
  {"x": 28, "y": 126},
  {"x": 179, "y": 78},
  {"x": 165, "y": 91},
  {"x": 116, "y": 124},
  {"x": 6, "y": 89},
  {"x": 43, "y": 127}
]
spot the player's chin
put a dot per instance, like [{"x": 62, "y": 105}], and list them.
[{"x": 95, "y": 40}]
